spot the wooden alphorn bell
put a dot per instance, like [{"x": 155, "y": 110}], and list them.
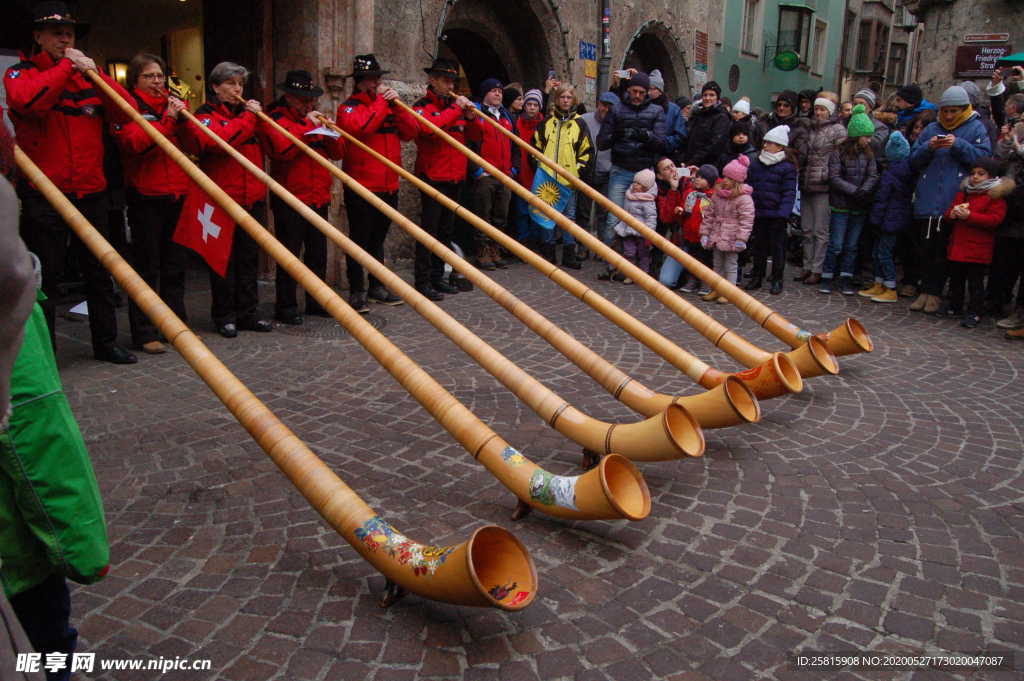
[
  {"x": 615, "y": 489},
  {"x": 729, "y": 403},
  {"x": 811, "y": 359},
  {"x": 848, "y": 338},
  {"x": 475, "y": 572}
]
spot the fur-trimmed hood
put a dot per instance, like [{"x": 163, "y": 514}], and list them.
[{"x": 1000, "y": 191}]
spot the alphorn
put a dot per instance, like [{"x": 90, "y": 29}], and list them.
[
  {"x": 731, "y": 402},
  {"x": 672, "y": 434},
  {"x": 491, "y": 568},
  {"x": 848, "y": 338},
  {"x": 811, "y": 359},
  {"x": 615, "y": 489}
]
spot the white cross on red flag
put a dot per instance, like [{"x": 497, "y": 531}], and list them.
[{"x": 206, "y": 228}]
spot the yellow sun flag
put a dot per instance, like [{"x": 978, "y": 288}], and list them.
[{"x": 548, "y": 193}]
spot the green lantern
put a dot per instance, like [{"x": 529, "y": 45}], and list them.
[{"x": 786, "y": 61}]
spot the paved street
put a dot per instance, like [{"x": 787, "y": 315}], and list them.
[{"x": 880, "y": 509}]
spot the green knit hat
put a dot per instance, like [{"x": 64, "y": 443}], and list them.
[{"x": 860, "y": 125}]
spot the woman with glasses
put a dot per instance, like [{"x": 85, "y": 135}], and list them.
[{"x": 156, "y": 188}]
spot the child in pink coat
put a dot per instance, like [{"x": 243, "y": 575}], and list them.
[{"x": 728, "y": 220}]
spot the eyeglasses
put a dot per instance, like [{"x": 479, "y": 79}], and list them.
[{"x": 152, "y": 76}]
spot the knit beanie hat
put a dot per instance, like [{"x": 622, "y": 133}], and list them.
[
  {"x": 737, "y": 168},
  {"x": 826, "y": 104},
  {"x": 510, "y": 95},
  {"x": 897, "y": 148},
  {"x": 992, "y": 166},
  {"x": 645, "y": 178},
  {"x": 860, "y": 125},
  {"x": 534, "y": 95},
  {"x": 640, "y": 79},
  {"x": 911, "y": 94},
  {"x": 683, "y": 101},
  {"x": 743, "y": 106},
  {"x": 713, "y": 86},
  {"x": 973, "y": 92},
  {"x": 868, "y": 95},
  {"x": 739, "y": 127},
  {"x": 788, "y": 96},
  {"x": 709, "y": 173},
  {"x": 489, "y": 84},
  {"x": 954, "y": 96},
  {"x": 657, "y": 80},
  {"x": 780, "y": 135},
  {"x": 808, "y": 94}
]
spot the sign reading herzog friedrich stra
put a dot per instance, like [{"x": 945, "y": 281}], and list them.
[{"x": 978, "y": 61}]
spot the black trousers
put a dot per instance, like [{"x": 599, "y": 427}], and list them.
[
  {"x": 235, "y": 296},
  {"x": 930, "y": 239},
  {"x": 368, "y": 227},
  {"x": 297, "y": 233},
  {"x": 1007, "y": 269},
  {"x": 437, "y": 221},
  {"x": 769, "y": 237},
  {"x": 157, "y": 259},
  {"x": 44, "y": 612},
  {"x": 973, "y": 275},
  {"x": 45, "y": 234}
]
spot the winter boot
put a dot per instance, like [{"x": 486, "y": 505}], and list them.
[
  {"x": 872, "y": 291},
  {"x": 569, "y": 257},
  {"x": 1014, "y": 321},
  {"x": 932, "y": 305},
  {"x": 1015, "y": 334},
  {"x": 919, "y": 303},
  {"x": 888, "y": 295}
]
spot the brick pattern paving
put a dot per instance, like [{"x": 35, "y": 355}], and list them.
[{"x": 879, "y": 509}]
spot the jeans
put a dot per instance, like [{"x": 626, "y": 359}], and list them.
[
  {"x": 885, "y": 266},
  {"x": 843, "y": 239},
  {"x": 672, "y": 270},
  {"x": 619, "y": 180},
  {"x": 526, "y": 228},
  {"x": 548, "y": 236}
]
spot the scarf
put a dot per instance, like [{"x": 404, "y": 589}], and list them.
[
  {"x": 770, "y": 159},
  {"x": 981, "y": 187},
  {"x": 692, "y": 198},
  {"x": 960, "y": 120},
  {"x": 639, "y": 196},
  {"x": 158, "y": 104}
]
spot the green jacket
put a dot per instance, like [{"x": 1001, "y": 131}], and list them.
[{"x": 51, "y": 514}]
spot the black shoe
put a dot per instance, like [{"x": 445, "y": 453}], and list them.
[
  {"x": 316, "y": 312},
  {"x": 618, "y": 276},
  {"x": 228, "y": 330},
  {"x": 260, "y": 325},
  {"x": 430, "y": 293},
  {"x": 753, "y": 285},
  {"x": 357, "y": 301},
  {"x": 548, "y": 251},
  {"x": 442, "y": 287},
  {"x": 776, "y": 287},
  {"x": 114, "y": 354},
  {"x": 846, "y": 286},
  {"x": 289, "y": 318},
  {"x": 572, "y": 263},
  {"x": 970, "y": 321},
  {"x": 379, "y": 294},
  {"x": 605, "y": 276}
]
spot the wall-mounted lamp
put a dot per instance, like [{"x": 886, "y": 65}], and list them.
[{"x": 118, "y": 70}]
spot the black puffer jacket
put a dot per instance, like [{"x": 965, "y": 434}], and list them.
[
  {"x": 635, "y": 134},
  {"x": 852, "y": 180},
  {"x": 709, "y": 135},
  {"x": 1013, "y": 225},
  {"x": 799, "y": 128}
]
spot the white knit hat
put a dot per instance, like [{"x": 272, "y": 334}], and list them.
[
  {"x": 743, "y": 106},
  {"x": 779, "y": 134}
]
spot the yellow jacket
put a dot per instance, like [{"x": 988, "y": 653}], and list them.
[{"x": 566, "y": 140}]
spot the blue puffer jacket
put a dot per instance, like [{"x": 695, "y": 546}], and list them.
[
  {"x": 635, "y": 134},
  {"x": 941, "y": 171},
  {"x": 891, "y": 210},
  {"x": 774, "y": 188},
  {"x": 904, "y": 118}
]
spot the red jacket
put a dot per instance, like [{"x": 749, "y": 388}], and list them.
[
  {"x": 147, "y": 168},
  {"x": 972, "y": 239},
  {"x": 294, "y": 168},
  {"x": 494, "y": 147},
  {"x": 238, "y": 127},
  {"x": 383, "y": 128},
  {"x": 525, "y": 127},
  {"x": 58, "y": 118},
  {"x": 435, "y": 158}
]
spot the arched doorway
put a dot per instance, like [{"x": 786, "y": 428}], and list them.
[
  {"x": 508, "y": 40},
  {"x": 653, "y": 47}
]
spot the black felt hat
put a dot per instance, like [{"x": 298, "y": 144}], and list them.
[
  {"x": 365, "y": 65},
  {"x": 55, "y": 14},
  {"x": 300, "y": 84},
  {"x": 443, "y": 67}
]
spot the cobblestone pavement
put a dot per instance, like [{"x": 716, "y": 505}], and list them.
[{"x": 880, "y": 509}]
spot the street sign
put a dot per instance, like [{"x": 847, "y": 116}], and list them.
[
  {"x": 786, "y": 61},
  {"x": 986, "y": 37},
  {"x": 700, "y": 50},
  {"x": 588, "y": 51},
  {"x": 979, "y": 61}
]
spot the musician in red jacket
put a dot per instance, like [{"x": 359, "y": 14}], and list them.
[
  {"x": 59, "y": 118},
  {"x": 295, "y": 111},
  {"x": 440, "y": 165},
  {"x": 156, "y": 187},
  {"x": 235, "y": 296},
  {"x": 371, "y": 116}
]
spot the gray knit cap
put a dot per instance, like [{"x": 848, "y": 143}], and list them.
[
  {"x": 868, "y": 95},
  {"x": 657, "y": 80},
  {"x": 973, "y": 91},
  {"x": 954, "y": 96}
]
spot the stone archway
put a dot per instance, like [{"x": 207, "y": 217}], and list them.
[
  {"x": 654, "y": 47},
  {"x": 506, "y": 39}
]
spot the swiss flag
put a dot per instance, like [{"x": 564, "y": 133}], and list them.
[{"x": 205, "y": 228}]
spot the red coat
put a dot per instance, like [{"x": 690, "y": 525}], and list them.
[
  {"x": 294, "y": 168},
  {"x": 525, "y": 127},
  {"x": 382, "y": 127},
  {"x": 435, "y": 158},
  {"x": 972, "y": 239},
  {"x": 238, "y": 127},
  {"x": 495, "y": 147},
  {"x": 59, "y": 117},
  {"x": 147, "y": 168}
]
